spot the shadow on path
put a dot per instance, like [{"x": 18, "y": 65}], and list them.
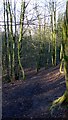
[{"x": 33, "y": 97}]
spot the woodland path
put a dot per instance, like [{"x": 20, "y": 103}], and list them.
[{"x": 31, "y": 98}]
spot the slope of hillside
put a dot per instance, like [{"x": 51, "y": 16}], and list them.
[{"x": 32, "y": 97}]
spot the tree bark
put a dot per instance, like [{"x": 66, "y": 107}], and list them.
[
  {"x": 64, "y": 98},
  {"x": 66, "y": 51},
  {"x": 11, "y": 50},
  {"x": 7, "y": 44},
  {"x": 53, "y": 20},
  {"x": 21, "y": 35},
  {"x": 16, "y": 63}
]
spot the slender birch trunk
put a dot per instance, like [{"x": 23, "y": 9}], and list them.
[
  {"x": 21, "y": 35},
  {"x": 7, "y": 43},
  {"x": 4, "y": 42},
  {"x": 16, "y": 63},
  {"x": 11, "y": 44},
  {"x": 53, "y": 33}
]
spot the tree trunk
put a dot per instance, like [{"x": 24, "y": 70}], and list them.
[
  {"x": 21, "y": 35},
  {"x": 11, "y": 45},
  {"x": 66, "y": 51},
  {"x": 53, "y": 20},
  {"x": 64, "y": 98},
  {"x": 66, "y": 78},
  {"x": 4, "y": 45},
  {"x": 39, "y": 36},
  {"x": 61, "y": 59},
  {"x": 16, "y": 63},
  {"x": 7, "y": 44}
]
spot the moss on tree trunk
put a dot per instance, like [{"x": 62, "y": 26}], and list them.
[{"x": 64, "y": 97}]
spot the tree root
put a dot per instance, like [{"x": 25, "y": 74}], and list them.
[
  {"x": 57, "y": 102},
  {"x": 61, "y": 71},
  {"x": 60, "y": 101}
]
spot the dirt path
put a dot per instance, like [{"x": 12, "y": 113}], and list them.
[{"x": 32, "y": 97}]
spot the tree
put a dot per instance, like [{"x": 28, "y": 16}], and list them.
[
  {"x": 4, "y": 42},
  {"x": 39, "y": 35},
  {"x": 11, "y": 43},
  {"x": 7, "y": 43},
  {"x": 53, "y": 21},
  {"x": 21, "y": 34},
  {"x": 59, "y": 40},
  {"x": 64, "y": 98},
  {"x": 66, "y": 51},
  {"x": 16, "y": 62}
]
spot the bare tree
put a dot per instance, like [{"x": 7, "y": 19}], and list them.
[
  {"x": 21, "y": 34},
  {"x": 16, "y": 63},
  {"x": 64, "y": 98},
  {"x": 7, "y": 42}
]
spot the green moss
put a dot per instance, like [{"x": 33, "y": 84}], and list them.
[{"x": 60, "y": 100}]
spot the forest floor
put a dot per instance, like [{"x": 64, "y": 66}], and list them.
[{"x": 32, "y": 98}]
